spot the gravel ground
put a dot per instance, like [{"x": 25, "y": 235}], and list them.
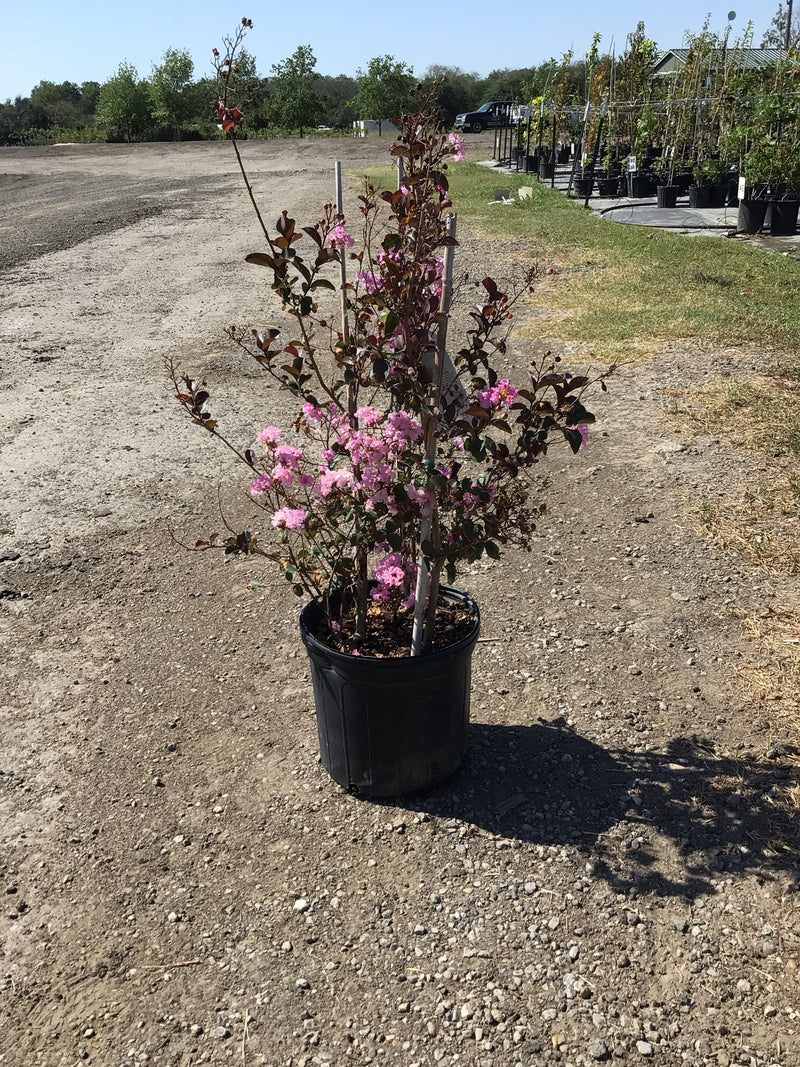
[{"x": 611, "y": 878}]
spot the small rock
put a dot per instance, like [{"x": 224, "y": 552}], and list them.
[
  {"x": 681, "y": 925},
  {"x": 219, "y": 1032},
  {"x": 549, "y": 1014},
  {"x": 173, "y": 917},
  {"x": 301, "y": 905},
  {"x": 743, "y": 986},
  {"x": 8, "y": 556},
  {"x": 195, "y": 1030},
  {"x": 302, "y": 983},
  {"x": 644, "y": 1048},
  {"x": 598, "y": 1049},
  {"x": 88, "y": 1032}
]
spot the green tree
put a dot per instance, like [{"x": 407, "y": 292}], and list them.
[
  {"x": 172, "y": 92},
  {"x": 123, "y": 107},
  {"x": 336, "y": 95},
  {"x": 775, "y": 37},
  {"x": 384, "y": 89},
  {"x": 457, "y": 91},
  {"x": 296, "y": 101},
  {"x": 507, "y": 84},
  {"x": 60, "y": 103}
]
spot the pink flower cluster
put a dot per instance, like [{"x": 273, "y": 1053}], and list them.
[
  {"x": 340, "y": 238},
  {"x": 493, "y": 396},
  {"x": 457, "y": 144},
  {"x": 360, "y": 462},
  {"x": 371, "y": 281}
]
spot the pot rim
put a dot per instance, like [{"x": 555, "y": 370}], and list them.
[{"x": 393, "y": 662}]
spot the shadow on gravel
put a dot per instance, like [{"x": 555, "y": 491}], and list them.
[{"x": 547, "y": 785}]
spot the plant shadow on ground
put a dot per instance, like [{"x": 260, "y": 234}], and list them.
[{"x": 665, "y": 822}]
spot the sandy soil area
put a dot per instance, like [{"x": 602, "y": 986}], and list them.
[{"x": 612, "y": 877}]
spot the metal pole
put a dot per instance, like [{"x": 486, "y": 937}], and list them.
[
  {"x": 553, "y": 150},
  {"x": 788, "y": 24}
]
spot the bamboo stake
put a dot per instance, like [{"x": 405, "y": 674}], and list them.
[{"x": 431, "y": 422}]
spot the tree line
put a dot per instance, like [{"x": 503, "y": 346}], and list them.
[{"x": 295, "y": 97}]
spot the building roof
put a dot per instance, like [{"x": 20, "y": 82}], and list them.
[{"x": 744, "y": 58}]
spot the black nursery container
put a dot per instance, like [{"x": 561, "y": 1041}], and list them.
[
  {"x": 783, "y": 222},
  {"x": 391, "y": 727},
  {"x": 752, "y": 215},
  {"x": 667, "y": 196}
]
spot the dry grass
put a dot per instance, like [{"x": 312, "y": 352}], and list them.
[
  {"x": 773, "y": 676},
  {"x": 761, "y": 524},
  {"x": 760, "y": 411}
]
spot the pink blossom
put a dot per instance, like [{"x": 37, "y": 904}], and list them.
[
  {"x": 583, "y": 430},
  {"x": 405, "y": 426},
  {"x": 312, "y": 412},
  {"x": 371, "y": 281},
  {"x": 334, "y": 479},
  {"x": 423, "y": 498},
  {"x": 369, "y": 416},
  {"x": 288, "y": 456},
  {"x": 282, "y": 475},
  {"x": 340, "y": 238},
  {"x": 502, "y": 393},
  {"x": 457, "y": 145},
  {"x": 289, "y": 519},
  {"x": 259, "y": 485},
  {"x": 390, "y": 574},
  {"x": 270, "y": 435}
]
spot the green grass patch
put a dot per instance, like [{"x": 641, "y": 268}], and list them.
[{"x": 626, "y": 288}]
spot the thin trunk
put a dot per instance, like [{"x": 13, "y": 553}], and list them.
[{"x": 430, "y": 423}]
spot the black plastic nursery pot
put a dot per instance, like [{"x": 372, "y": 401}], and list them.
[
  {"x": 699, "y": 196},
  {"x": 783, "y": 221},
  {"x": 391, "y": 727},
  {"x": 546, "y": 170},
  {"x": 667, "y": 195},
  {"x": 607, "y": 187},
  {"x": 752, "y": 214},
  {"x": 582, "y": 187},
  {"x": 639, "y": 186}
]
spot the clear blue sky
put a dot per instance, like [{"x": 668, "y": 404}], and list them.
[{"x": 85, "y": 40}]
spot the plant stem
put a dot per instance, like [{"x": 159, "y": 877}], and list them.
[{"x": 430, "y": 422}]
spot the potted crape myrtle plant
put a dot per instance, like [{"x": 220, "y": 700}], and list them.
[{"x": 404, "y": 456}]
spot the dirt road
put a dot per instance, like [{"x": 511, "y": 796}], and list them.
[{"x": 613, "y": 876}]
